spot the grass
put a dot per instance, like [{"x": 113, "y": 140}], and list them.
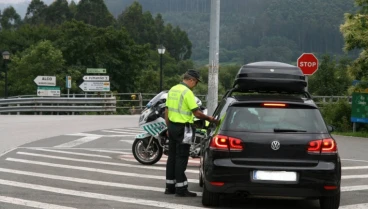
[{"x": 355, "y": 134}]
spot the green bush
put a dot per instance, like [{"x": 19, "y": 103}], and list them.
[{"x": 338, "y": 115}]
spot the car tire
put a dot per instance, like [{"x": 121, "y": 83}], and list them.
[
  {"x": 331, "y": 202},
  {"x": 210, "y": 198},
  {"x": 200, "y": 179}
]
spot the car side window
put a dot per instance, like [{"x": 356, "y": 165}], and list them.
[
  {"x": 219, "y": 108},
  {"x": 224, "y": 108}
]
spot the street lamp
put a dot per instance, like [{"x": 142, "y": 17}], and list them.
[
  {"x": 161, "y": 51},
  {"x": 6, "y": 57}
]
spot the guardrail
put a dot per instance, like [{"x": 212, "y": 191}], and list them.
[
  {"x": 120, "y": 103},
  {"x": 58, "y": 105}
]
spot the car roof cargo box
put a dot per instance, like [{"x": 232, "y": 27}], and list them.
[{"x": 270, "y": 76}]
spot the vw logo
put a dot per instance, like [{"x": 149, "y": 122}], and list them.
[{"x": 275, "y": 145}]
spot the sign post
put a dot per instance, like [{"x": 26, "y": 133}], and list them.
[
  {"x": 308, "y": 63},
  {"x": 48, "y": 91},
  {"x": 68, "y": 83},
  {"x": 95, "y": 86},
  {"x": 96, "y": 78},
  {"x": 359, "y": 108},
  {"x": 45, "y": 80},
  {"x": 96, "y": 70}
]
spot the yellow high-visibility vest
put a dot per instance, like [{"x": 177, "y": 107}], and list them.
[{"x": 180, "y": 103}]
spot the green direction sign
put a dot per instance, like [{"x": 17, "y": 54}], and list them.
[
  {"x": 359, "y": 108},
  {"x": 48, "y": 88},
  {"x": 96, "y": 70}
]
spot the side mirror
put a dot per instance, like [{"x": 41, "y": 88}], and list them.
[{"x": 330, "y": 128}]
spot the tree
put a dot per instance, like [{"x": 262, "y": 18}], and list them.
[
  {"x": 140, "y": 25},
  {"x": 94, "y": 12},
  {"x": 36, "y": 12},
  {"x": 73, "y": 8},
  {"x": 58, "y": 12},
  {"x": 10, "y": 19},
  {"x": 39, "y": 59},
  {"x": 88, "y": 46},
  {"x": 355, "y": 35},
  {"x": 331, "y": 77}
]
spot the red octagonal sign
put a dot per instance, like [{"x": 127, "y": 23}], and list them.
[{"x": 308, "y": 63}]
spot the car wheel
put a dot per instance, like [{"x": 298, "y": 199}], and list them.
[
  {"x": 200, "y": 179},
  {"x": 332, "y": 202},
  {"x": 210, "y": 198}
]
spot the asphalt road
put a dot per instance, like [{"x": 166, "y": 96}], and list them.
[{"x": 96, "y": 169}]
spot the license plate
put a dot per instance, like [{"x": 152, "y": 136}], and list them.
[{"x": 284, "y": 176}]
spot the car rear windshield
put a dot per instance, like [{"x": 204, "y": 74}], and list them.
[{"x": 268, "y": 119}]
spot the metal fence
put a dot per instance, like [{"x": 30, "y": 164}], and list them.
[
  {"x": 75, "y": 104},
  {"x": 113, "y": 103}
]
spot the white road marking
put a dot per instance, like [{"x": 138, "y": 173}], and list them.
[
  {"x": 357, "y": 206},
  {"x": 79, "y": 141},
  {"x": 29, "y": 203},
  {"x": 354, "y": 160},
  {"x": 81, "y": 134},
  {"x": 161, "y": 162},
  {"x": 111, "y": 172},
  {"x": 354, "y": 167},
  {"x": 97, "y": 135},
  {"x": 130, "y": 130},
  {"x": 6, "y": 152},
  {"x": 120, "y": 132},
  {"x": 136, "y": 201},
  {"x": 101, "y": 162},
  {"x": 85, "y": 181},
  {"x": 354, "y": 188},
  {"x": 130, "y": 141},
  {"x": 354, "y": 177},
  {"x": 72, "y": 153}
]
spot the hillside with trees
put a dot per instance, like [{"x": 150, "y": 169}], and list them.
[{"x": 253, "y": 30}]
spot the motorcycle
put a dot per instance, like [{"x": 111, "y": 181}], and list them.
[{"x": 148, "y": 147}]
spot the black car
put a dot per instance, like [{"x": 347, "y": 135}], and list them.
[{"x": 271, "y": 141}]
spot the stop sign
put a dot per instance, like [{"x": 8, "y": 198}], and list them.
[{"x": 308, "y": 63}]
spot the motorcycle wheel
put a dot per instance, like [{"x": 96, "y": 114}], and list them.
[{"x": 149, "y": 157}]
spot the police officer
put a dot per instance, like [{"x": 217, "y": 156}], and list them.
[{"x": 180, "y": 108}]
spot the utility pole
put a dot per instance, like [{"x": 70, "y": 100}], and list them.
[{"x": 212, "y": 97}]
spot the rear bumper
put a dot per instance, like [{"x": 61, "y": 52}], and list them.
[{"x": 239, "y": 179}]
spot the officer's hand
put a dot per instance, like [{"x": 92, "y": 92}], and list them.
[{"x": 213, "y": 120}]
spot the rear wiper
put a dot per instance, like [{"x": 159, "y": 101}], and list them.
[{"x": 287, "y": 130}]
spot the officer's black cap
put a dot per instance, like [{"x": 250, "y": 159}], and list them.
[{"x": 194, "y": 74}]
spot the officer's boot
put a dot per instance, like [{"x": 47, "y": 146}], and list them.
[
  {"x": 183, "y": 192},
  {"x": 170, "y": 189},
  {"x": 186, "y": 193}
]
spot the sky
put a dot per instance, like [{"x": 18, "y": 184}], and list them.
[
  {"x": 21, "y": 5},
  {"x": 13, "y": 1},
  {"x": 20, "y": 1}
]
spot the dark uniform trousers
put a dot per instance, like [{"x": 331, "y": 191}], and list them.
[{"x": 178, "y": 159}]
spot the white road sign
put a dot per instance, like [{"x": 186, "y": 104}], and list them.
[
  {"x": 95, "y": 86},
  {"x": 48, "y": 91},
  {"x": 96, "y": 78},
  {"x": 68, "y": 82},
  {"x": 45, "y": 80}
]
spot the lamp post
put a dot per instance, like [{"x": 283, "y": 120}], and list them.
[
  {"x": 161, "y": 51},
  {"x": 6, "y": 56}
]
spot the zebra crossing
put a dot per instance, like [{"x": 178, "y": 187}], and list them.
[{"x": 84, "y": 175}]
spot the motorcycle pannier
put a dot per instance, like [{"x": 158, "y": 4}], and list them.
[{"x": 270, "y": 76}]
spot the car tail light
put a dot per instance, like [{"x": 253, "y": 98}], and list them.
[
  {"x": 217, "y": 183},
  {"x": 330, "y": 187},
  {"x": 274, "y": 104},
  {"x": 324, "y": 146},
  {"x": 221, "y": 142}
]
